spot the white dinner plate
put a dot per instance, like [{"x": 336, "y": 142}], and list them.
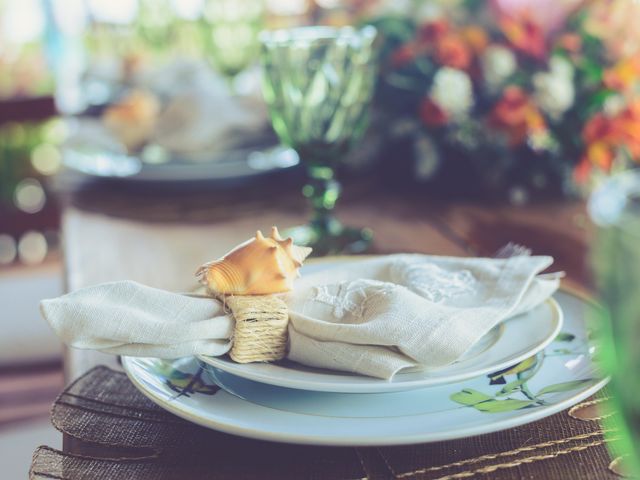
[
  {"x": 556, "y": 378},
  {"x": 507, "y": 344}
]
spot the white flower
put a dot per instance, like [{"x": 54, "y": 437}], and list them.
[
  {"x": 561, "y": 67},
  {"x": 613, "y": 105},
  {"x": 554, "y": 90},
  {"x": 452, "y": 91},
  {"x": 498, "y": 64}
]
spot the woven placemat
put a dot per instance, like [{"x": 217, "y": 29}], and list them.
[{"x": 112, "y": 431}]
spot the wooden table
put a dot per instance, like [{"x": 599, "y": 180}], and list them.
[{"x": 164, "y": 238}]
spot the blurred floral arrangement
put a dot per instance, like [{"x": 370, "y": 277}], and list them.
[{"x": 512, "y": 97}]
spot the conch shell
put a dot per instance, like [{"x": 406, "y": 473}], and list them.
[{"x": 259, "y": 266}]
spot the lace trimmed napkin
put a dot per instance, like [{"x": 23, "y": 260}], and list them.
[
  {"x": 380, "y": 316},
  {"x": 373, "y": 317}
]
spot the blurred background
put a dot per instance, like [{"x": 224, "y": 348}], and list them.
[{"x": 504, "y": 101}]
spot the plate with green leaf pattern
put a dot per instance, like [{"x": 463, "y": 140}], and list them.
[{"x": 559, "y": 376}]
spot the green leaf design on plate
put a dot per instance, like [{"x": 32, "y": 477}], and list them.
[
  {"x": 178, "y": 375},
  {"x": 564, "y": 386},
  {"x": 507, "y": 405},
  {"x": 565, "y": 337},
  {"x": 510, "y": 387},
  {"x": 469, "y": 397},
  {"x": 485, "y": 403},
  {"x": 185, "y": 384},
  {"x": 562, "y": 351},
  {"x": 524, "y": 365}
]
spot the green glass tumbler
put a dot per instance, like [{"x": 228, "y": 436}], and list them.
[
  {"x": 615, "y": 208},
  {"x": 318, "y": 83}
]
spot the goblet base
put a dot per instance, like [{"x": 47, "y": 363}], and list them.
[{"x": 332, "y": 241}]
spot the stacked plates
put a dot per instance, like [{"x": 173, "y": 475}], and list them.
[{"x": 527, "y": 368}]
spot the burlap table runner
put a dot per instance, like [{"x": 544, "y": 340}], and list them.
[{"x": 114, "y": 432}]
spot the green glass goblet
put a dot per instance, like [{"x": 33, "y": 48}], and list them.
[
  {"x": 231, "y": 34},
  {"x": 318, "y": 83}
]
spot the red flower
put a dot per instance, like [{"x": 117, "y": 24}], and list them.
[
  {"x": 432, "y": 114},
  {"x": 432, "y": 32},
  {"x": 525, "y": 34}
]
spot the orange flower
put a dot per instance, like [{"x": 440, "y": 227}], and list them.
[
  {"x": 627, "y": 127},
  {"x": 453, "y": 52},
  {"x": 604, "y": 136},
  {"x": 516, "y": 115},
  {"x": 599, "y": 138},
  {"x": 525, "y": 34},
  {"x": 571, "y": 42},
  {"x": 600, "y": 155},
  {"x": 624, "y": 75},
  {"x": 433, "y": 31},
  {"x": 476, "y": 38},
  {"x": 432, "y": 114}
]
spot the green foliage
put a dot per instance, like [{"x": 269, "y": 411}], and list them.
[{"x": 395, "y": 30}]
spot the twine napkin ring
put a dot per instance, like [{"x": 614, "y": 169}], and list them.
[{"x": 260, "y": 333}]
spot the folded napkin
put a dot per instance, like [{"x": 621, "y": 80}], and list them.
[
  {"x": 380, "y": 316},
  {"x": 127, "y": 318},
  {"x": 373, "y": 317}
]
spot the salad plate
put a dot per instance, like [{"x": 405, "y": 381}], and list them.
[
  {"x": 506, "y": 344},
  {"x": 557, "y": 377}
]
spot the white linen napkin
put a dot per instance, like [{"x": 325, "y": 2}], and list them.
[
  {"x": 373, "y": 317},
  {"x": 380, "y": 316},
  {"x": 127, "y": 318}
]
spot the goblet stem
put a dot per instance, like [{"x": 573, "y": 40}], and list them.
[
  {"x": 323, "y": 191},
  {"x": 324, "y": 233}
]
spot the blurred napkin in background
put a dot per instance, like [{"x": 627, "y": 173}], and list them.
[
  {"x": 200, "y": 112},
  {"x": 373, "y": 317},
  {"x": 185, "y": 108}
]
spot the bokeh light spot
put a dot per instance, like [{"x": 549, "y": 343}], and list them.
[
  {"x": 8, "y": 249},
  {"x": 29, "y": 196},
  {"x": 46, "y": 159},
  {"x": 32, "y": 248}
]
